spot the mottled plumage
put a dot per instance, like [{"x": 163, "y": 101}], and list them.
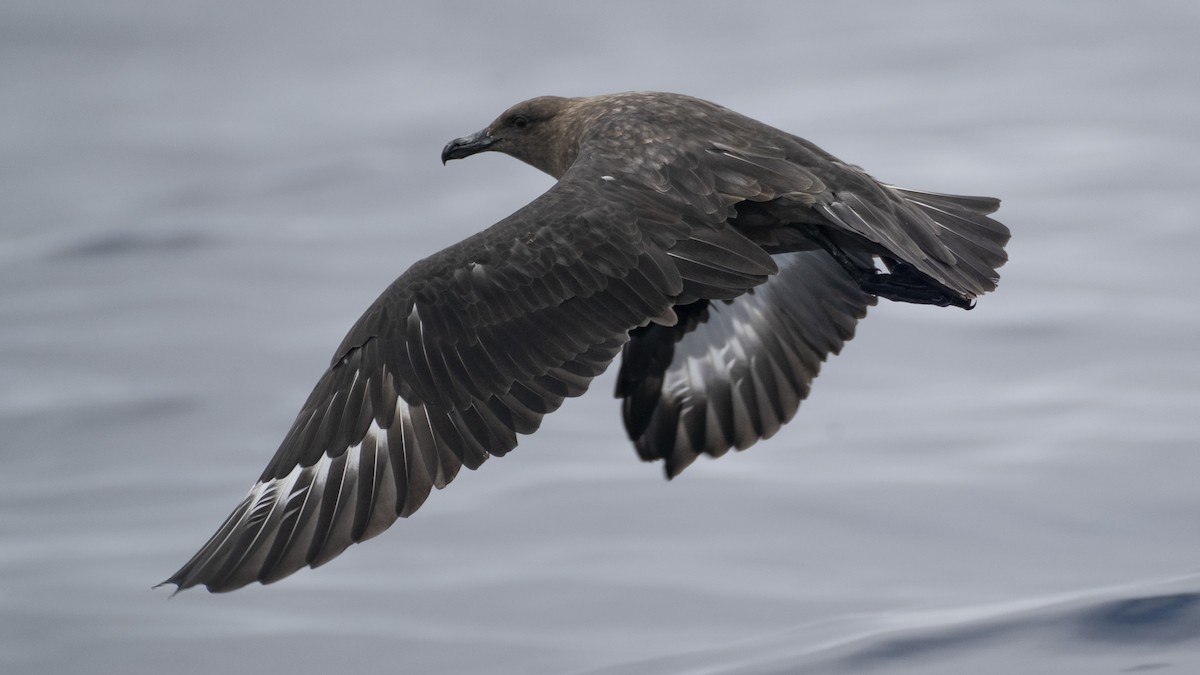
[{"x": 722, "y": 258}]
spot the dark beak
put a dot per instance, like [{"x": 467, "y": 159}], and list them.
[{"x": 467, "y": 146}]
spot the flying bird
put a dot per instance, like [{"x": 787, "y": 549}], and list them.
[{"x": 721, "y": 258}]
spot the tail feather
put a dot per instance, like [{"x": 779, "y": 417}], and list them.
[{"x": 963, "y": 226}]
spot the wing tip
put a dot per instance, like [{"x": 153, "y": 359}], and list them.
[{"x": 178, "y": 587}]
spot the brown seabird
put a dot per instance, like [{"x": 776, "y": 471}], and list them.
[{"x": 722, "y": 258}]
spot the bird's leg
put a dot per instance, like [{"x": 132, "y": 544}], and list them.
[
  {"x": 852, "y": 268},
  {"x": 905, "y": 284},
  {"x": 901, "y": 283}
]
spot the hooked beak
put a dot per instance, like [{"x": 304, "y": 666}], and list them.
[{"x": 467, "y": 146}]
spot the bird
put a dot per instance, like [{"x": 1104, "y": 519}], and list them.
[{"x": 722, "y": 260}]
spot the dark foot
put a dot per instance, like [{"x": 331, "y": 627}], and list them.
[
  {"x": 905, "y": 288},
  {"x": 901, "y": 282}
]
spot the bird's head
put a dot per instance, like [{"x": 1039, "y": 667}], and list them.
[{"x": 537, "y": 132}]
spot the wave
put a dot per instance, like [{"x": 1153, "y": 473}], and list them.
[{"x": 1149, "y": 627}]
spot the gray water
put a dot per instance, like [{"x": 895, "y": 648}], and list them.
[{"x": 197, "y": 199}]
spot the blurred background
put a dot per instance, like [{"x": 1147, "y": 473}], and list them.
[{"x": 198, "y": 198}]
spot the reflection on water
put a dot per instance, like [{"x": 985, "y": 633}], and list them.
[{"x": 200, "y": 198}]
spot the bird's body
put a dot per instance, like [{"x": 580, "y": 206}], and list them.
[{"x": 724, "y": 259}]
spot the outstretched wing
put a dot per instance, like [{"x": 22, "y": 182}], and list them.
[
  {"x": 731, "y": 372},
  {"x": 464, "y": 351}
]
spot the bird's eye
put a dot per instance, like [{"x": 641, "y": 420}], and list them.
[{"x": 520, "y": 121}]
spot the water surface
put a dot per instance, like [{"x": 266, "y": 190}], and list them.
[{"x": 200, "y": 197}]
